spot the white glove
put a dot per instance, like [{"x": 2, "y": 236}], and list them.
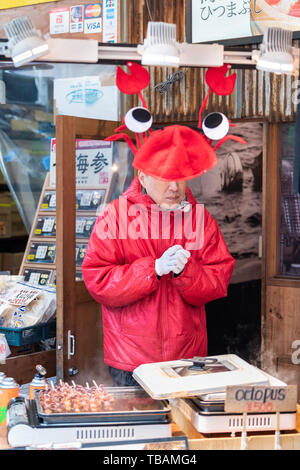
[
  {"x": 181, "y": 258},
  {"x": 173, "y": 259}
]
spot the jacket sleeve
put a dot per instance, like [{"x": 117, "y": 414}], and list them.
[
  {"x": 109, "y": 280},
  {"x": 207, "y": 273}
]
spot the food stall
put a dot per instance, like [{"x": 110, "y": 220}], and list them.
[{"x": 189, "y": 417}]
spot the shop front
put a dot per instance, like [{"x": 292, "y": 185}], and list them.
[{"x": 149, "y": 253}]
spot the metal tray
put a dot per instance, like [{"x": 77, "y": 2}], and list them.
[
  {"x": 132, "y": 405},
  {"x": 208, "y": 406}
]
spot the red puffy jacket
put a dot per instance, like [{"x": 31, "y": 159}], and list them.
[{"x": 147, "y": 319}]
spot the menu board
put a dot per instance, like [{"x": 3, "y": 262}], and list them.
[
  {"x": 21, "y": 3},
  {"x": 218, "y": 20}
]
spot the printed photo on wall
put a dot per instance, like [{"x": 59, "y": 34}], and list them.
[{"x": 232, "y": 193}]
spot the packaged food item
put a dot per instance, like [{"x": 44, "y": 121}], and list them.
[
  {"x": 7, "y": 281},
  {"x": 24, "y": 305}
]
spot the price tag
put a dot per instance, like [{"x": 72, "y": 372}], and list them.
[
  {"x": 48, "y": 225},
  {"x": 41, "y": 251},
  {"x": 34, "y": 278},
  {"x": 260, "y": 399},
  {"x": 21, "y": 297},
  {"x": 80, "y": 223},
  {"x": 52, "y": 202},
  {"x": 86, "y": 199}
]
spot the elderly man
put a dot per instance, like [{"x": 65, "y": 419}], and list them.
[{"x": 153, "y": 279}]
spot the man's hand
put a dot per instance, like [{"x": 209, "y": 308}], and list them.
[{"x": 174, "y": 259}]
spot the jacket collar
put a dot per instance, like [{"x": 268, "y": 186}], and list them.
[{"x": 135, "y": 195}]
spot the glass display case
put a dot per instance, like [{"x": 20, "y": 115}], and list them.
[
  {"x": 290, "y": 205},
  {"x": 27, "y": 128}
]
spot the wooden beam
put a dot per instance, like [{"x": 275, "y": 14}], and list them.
[{"x": 65, "y": 233}]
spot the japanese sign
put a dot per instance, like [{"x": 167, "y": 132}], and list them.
[
  {"x": 214, "y": 20},
  {"x": 260, "y": 399},
  {"x": 110, "y": 21},
  {"x": 59, "y": 20},
  {"x": 93, "y": 163},
  {"x": 21, "y": 296},
  {"x": 5, "y": 4}
]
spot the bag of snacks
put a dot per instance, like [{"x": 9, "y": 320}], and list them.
[{"x": 24, "y": 304}]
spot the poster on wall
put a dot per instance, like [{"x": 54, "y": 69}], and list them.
[
  {"x": 6, "y": 4},
  {"x": 232, "y": 193},
  {"x": 221, "y": 20}
]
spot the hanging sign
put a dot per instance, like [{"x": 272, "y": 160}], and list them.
[
  {"x": 6, "y": 4},
  {"x": 213, "y": 20},
  {"x": 260, "y": 399}
]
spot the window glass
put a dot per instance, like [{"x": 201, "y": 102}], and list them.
[
  {"x": 27, "y": 127},
  {"x": 290, "y": 207}
]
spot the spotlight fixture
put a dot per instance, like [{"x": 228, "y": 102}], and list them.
[
  {"x": 160, "y": 46},
  {"x": 24, "y": 41},
  {"x": 276, "y": 52}
]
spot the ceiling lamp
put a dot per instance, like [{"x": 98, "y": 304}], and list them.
[
  {"x": 24, "y": 41},
  {"x": 276, "y": 52},
  {"x": 160, "y": 46}
]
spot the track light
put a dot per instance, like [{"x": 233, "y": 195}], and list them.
[
  {"x": 24, "y": 41},
  {"x": 160, "y": 46},
  {"x": 276, "y": 52}
]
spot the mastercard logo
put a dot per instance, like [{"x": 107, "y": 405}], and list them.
[{"x": 92, "y": 11}]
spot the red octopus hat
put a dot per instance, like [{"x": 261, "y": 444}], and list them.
[{"x": 177, "y": 152}]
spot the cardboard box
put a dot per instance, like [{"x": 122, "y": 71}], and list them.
[
  {"x": 11, "y": 224},
  {"x": 11, "y": 262}
]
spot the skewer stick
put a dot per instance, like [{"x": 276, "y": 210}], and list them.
[
  {"x": 95, "y": 384},
  {"x": 87, "y": 385},
  {"x": 277, "y": 432},
  {"x": 52, "y": 385},
  {"x": 73, "y": 383},
  {"x": 244, "y": 433}
]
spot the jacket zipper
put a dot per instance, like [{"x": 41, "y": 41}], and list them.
[{"x": 164, "y": 319}]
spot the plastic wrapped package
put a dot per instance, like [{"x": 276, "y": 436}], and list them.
[
  {"x": 7, "y": 282},
  {"x": 23, "y": 305}
]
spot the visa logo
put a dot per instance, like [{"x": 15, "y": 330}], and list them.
[{"x": 94, "y": 25}]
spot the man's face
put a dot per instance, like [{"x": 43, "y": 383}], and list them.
[{"x": 167, "y": 195}]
